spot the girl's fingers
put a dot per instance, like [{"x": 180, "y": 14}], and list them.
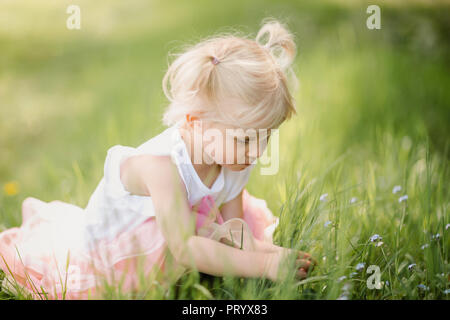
[
  {"x": 303, "y": 264},
  {"x": 301, "y": 274},
  {"x": 307, "y": 256}
]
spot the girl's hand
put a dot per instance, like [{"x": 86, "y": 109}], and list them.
[{"x": 305, "y": 263}]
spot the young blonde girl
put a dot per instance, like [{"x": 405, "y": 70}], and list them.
[{"x": 175, "y": 195}]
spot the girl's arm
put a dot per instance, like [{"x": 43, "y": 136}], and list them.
[
  {"x": 157, "y": 176},
  {"x": 215, "y": 258},
  {"x": 234, "y": 209}
]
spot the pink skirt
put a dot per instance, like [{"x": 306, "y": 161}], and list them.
[{"x": 46, "y": 259}]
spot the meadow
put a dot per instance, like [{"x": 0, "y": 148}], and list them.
[{"x": 364, "y": 165}]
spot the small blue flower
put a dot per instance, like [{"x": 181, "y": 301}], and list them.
[
  {"x": 387, "y": 283},
  {"x": 423, "y": 287},
  {"x": 446, "y": 291},
  {"x": 447, "y": 226},
  {"x": 426, "y": 245},
  {"x": 375, "y": 237},
  {"x": 353, "y": 274},
  {"x": 342, "y": 278},
  {"x": 327, "y": 223},
  {"x": 353, "y": 200},
  {"x": 360, "y": 266},
  {"x": 323, "y": 197},
  {"x": 411, "y": 266},
  {"x": 396, "y": 189},
  {"x": 403, "y": 198}
]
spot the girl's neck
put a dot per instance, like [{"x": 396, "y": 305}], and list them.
[{"x": 207, "y": 173}]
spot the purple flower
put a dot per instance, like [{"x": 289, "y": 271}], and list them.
[
  {"x": 323, "y": 197},
  {"x": 396, "y": 189},
  {"x": 403, "y": 198},
  {"x": 360, "y": 266},
  {"x": 423, "y": 287},
  {"x": 375, "y": 237}
]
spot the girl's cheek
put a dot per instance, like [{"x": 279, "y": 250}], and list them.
[
  {"x": 226, "y": 156},
  {"x": 228, "y": 152}
]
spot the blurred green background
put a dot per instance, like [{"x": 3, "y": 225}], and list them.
[{"x": 373, "y": 105}]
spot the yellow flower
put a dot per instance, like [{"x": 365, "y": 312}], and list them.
[{"x": 11, "y": 188}]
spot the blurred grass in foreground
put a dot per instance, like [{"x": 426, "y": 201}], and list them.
[{"x": 373, "y": 113}]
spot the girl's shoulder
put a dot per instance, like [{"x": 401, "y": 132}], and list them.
[{"x": 159, "y": 145}]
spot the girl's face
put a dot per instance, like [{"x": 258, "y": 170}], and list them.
[{"x": 232, "y": 147}]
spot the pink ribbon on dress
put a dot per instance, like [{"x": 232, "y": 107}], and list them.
[{"x": 207, "y": 212}]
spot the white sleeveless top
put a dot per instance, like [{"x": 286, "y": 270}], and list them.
[{"x": 112, "y": 209}]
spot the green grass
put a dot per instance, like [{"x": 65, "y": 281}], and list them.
[{"x": 373, "y": 113}]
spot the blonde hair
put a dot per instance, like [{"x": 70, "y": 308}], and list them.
[{"x": 248, "y": 85}]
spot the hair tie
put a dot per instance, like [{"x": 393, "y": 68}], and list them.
[{"x": 215, "y": 61}]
